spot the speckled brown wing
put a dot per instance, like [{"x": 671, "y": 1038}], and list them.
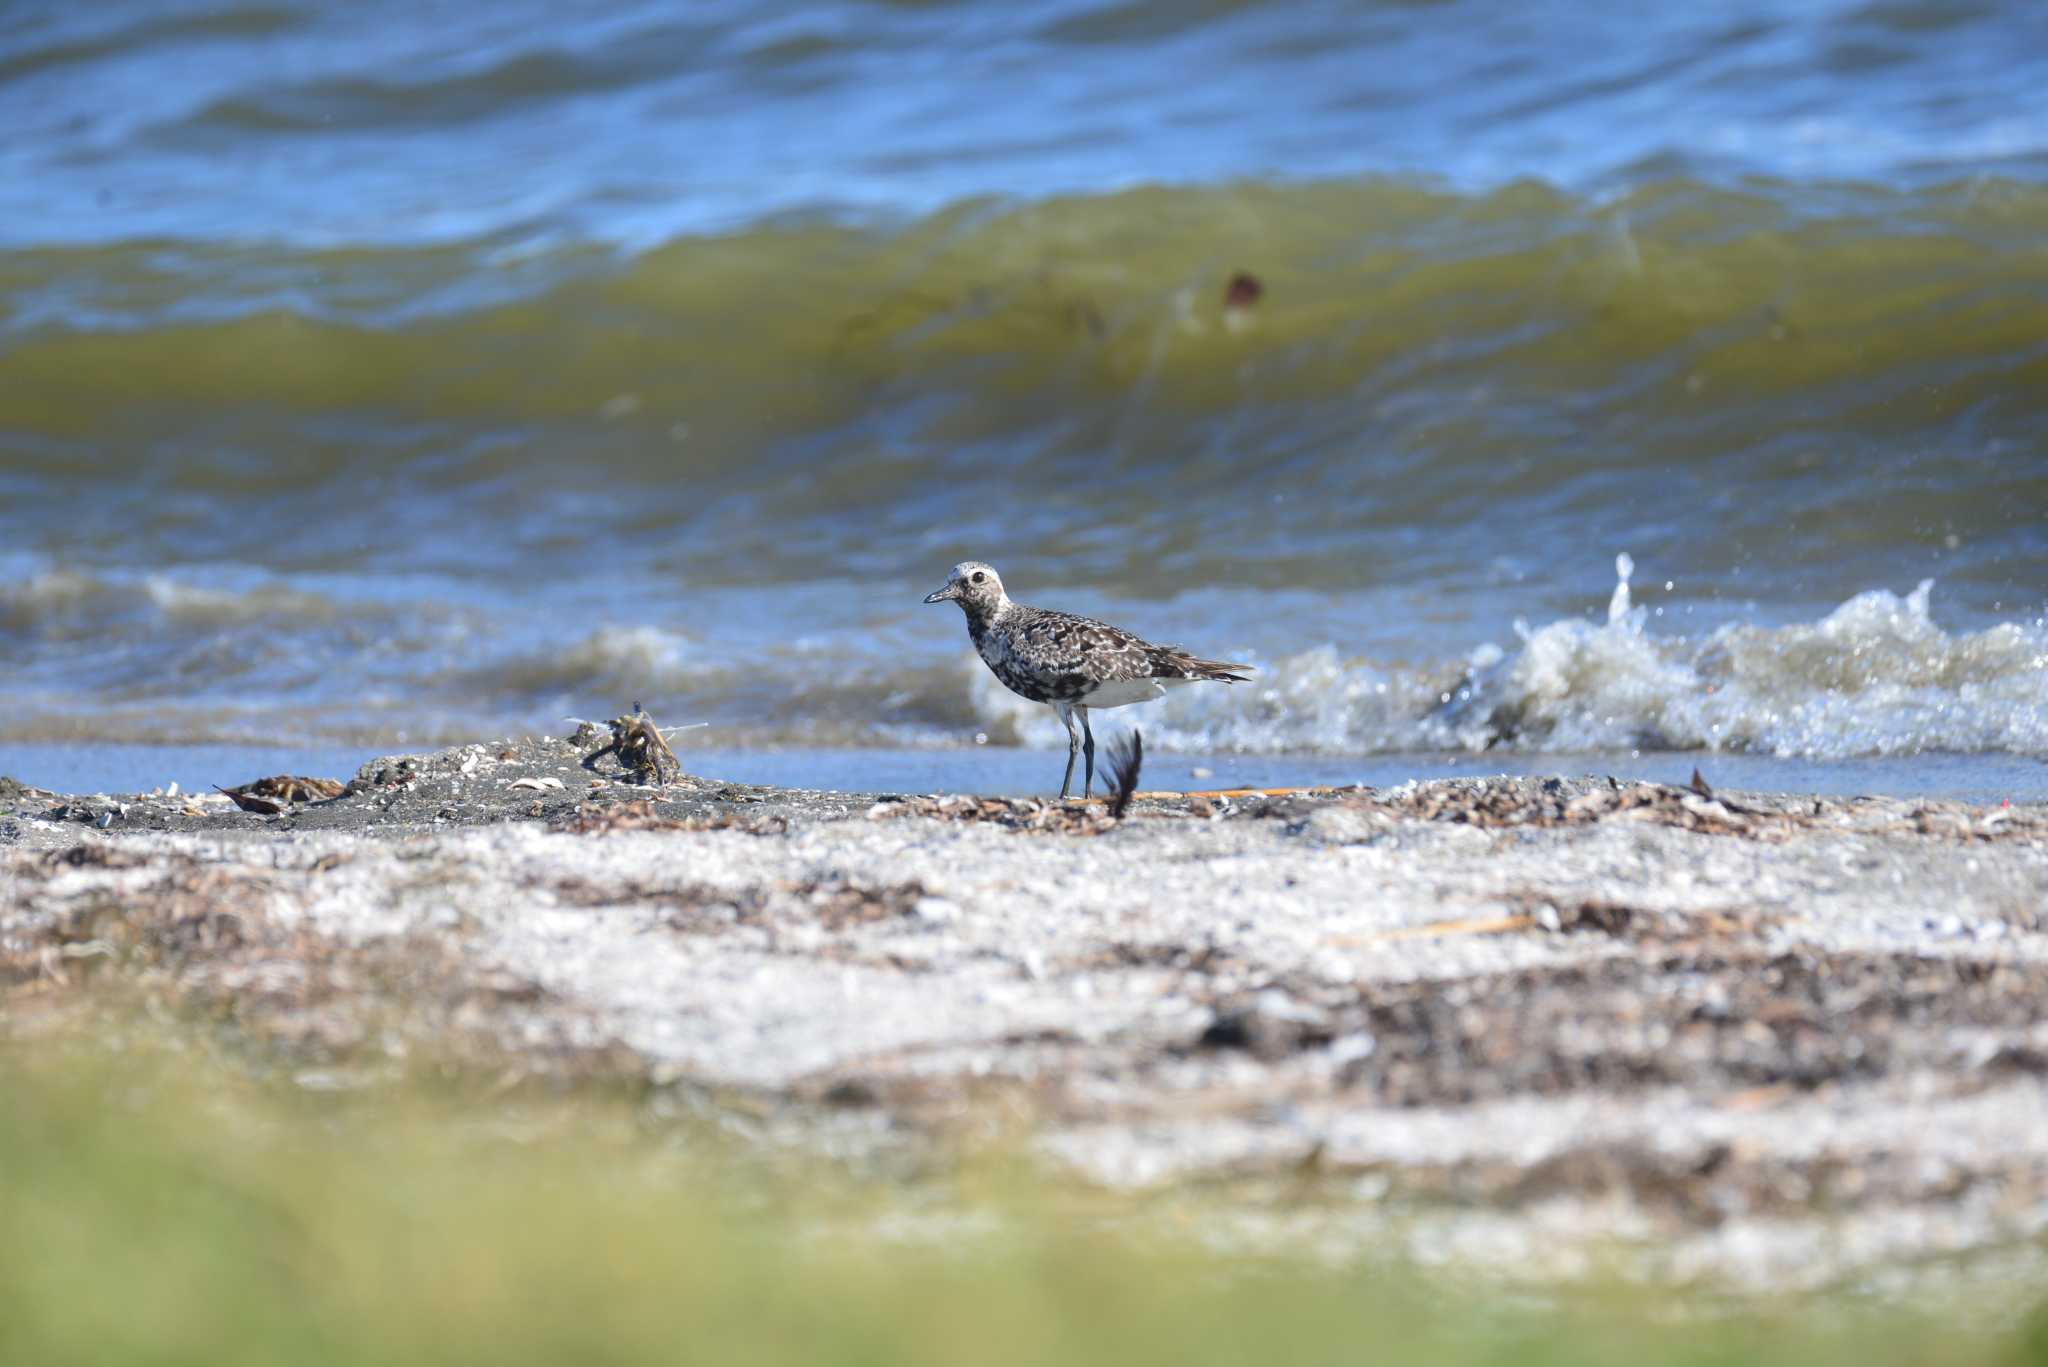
[
  {"x": 1097, "y": 652},
  {"x": 1090, "y": 651}
]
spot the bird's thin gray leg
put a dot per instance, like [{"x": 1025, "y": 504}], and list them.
[
  {"x": 1088, "y": 749},
  {"x": 1066, "y": 716}
]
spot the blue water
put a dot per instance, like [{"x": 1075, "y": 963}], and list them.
[{"x": 629, "y": 123}]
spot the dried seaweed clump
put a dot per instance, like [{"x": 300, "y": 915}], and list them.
[
  {"x": 270, "y": 796},
  {"x": 640, "y": 747},
  {"x": 1696, "y": 808},
  {"x": 196, "y": 944},
  {"x": 1029, "y": 815},
  {"x": 1037, "y": 816},
  {"x": 838, "y": 904},
  {"x": 607, "y": 818}
]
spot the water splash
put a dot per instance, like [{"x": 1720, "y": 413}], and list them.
[
  {"x": 1877, "y": 676},
  {"x": 165, "y": 659},
  {"x": 1617, "y": 606}
]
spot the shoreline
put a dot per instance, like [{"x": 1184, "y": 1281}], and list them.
[
  {"x": 1762, "y": 1039},
  {"x": 120, "y": 767}
]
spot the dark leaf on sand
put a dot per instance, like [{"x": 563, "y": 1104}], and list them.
[
  {"x": 262, "y": 806},
  {"x": 1125, "y": 760}
]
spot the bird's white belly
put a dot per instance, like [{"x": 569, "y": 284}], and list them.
[{"x": 1123, "y": 692}]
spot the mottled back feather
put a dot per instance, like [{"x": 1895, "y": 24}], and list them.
[{"x": 1057, "y": 657}]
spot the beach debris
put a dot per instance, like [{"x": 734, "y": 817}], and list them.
[
  {"x": 298, "y": 789},
  {"x": 1494, "y": 804},
  {"x": 1645, "y": 924},
  {"x": 83, "y": 812},
  {"x": 336, "y": 1002},
  {"x": 402, "y": 774},
  {"x": 249, "y": 802},
  {"x": 840, "y": 905},
  {"x": 1031, "y": 815},
  {"x": 605, "y": 818},
  {"x": 640, "y": 746},
  {"x": 608, "y": 818},
  {"x": 95, "y": 856},
  {"x": 1501, "y": 803},
  {"x": 1270, "y": 1027},
  {"x": 1224, "y": 795},
  {"x": 1125, "y": 760},
  {"x": 270, "y": 796},
  {"x": 1557, "y": 914},
  {"x": 101, "y": 816},
  {"x": 538, "y": 784},
  {"x": 837, "y": 904}
]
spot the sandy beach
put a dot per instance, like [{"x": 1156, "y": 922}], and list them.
[{"x": 1762, "y": 1039}]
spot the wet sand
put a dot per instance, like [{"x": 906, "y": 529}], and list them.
[{"x": 1534, "y": 1023}]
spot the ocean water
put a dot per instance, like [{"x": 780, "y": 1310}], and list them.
[{"x": 380, "y": 376}]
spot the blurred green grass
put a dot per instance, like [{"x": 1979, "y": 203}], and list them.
[{"x": 157, "y": 1208}]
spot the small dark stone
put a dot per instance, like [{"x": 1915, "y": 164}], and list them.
[
  {"x": 1262, "y": 1034},
  {"x": 852, "y": 1093}
]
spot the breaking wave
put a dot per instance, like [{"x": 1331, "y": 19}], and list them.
[
  {"x": 229, "y": 656},
  {"x": 1875, "y": 677}
]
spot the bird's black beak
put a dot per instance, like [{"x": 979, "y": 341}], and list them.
[{"x": 950, "y": 591}]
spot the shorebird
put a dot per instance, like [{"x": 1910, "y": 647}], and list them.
[{"x": 1071, "y": 663}]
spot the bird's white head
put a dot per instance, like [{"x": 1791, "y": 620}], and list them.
[{"x": 976, "y": 587}]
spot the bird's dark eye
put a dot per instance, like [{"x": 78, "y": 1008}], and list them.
[{"x": 979, "y": 576}]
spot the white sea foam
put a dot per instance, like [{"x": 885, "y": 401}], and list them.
[
  {"x": 1314, "y": 701},
  {"x": 198, "y": 605},
  {"x": 62, "y": 601},
  {"x": 614, "y": 664},
  {"x": 1877, "y": 676}
]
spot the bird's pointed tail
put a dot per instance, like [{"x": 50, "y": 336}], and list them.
[{"x": 1222, "y": 673}]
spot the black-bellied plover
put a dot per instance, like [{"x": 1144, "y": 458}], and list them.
[{"x": 1072, "y": 663}]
